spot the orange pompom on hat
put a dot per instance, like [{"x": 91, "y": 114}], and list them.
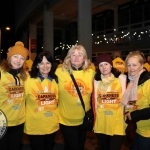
[{"x": 18, "y": 48}]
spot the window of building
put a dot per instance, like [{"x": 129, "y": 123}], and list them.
[{"x": 123, "y": 18}]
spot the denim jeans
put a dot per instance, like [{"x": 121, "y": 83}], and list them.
[{"x": 142, "y": 143}]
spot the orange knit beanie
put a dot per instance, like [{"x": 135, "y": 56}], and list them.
[{"x": 17, "y": 49}]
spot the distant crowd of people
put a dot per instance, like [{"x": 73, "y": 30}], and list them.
[{"x": 39, "y": 98}]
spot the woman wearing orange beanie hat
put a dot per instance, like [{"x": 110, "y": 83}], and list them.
[{"x": 12, "y": 100}]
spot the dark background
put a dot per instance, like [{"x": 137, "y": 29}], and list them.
[{"x": 7, "y": 18}]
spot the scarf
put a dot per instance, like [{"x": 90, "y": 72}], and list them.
[
  {"x": 105, "y": 83},
  {"x": 131, "y": 93}
]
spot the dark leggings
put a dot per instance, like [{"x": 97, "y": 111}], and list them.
[
  {"x": 42, "y": 142},
  {"x": 12, "y": 138},
  {"x": 108, "y": 142},
  {"x": 74, "y": 137}
]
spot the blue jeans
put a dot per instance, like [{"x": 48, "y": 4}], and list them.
[{"x": 142, "y": 143}]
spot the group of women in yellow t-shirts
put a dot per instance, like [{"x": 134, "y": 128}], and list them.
[{"x": 41, "y": 102}]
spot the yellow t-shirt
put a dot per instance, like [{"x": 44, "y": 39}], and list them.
[
  {"x": 12, "y": 99},
  {"x": 59, "y": 65},
  {"x": 28, "y": 64},
  {"x": 93, "y": 67},
  {"x": 143, "y": 126},
  {"x": 147, "y": 66},
  {"x": 109, "y": 118},
  {"x": 41, "y": 106},
  {"x": 119, "y": 64},
  {"x": 69, "y": 105}
]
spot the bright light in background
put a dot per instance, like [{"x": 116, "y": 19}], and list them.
[{"x": 7, "y": 28}]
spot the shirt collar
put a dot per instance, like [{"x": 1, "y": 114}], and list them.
[
  {"x": 49, "y": 77},
  {"x": 80, "y": 68}
]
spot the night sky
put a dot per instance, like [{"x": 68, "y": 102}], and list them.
[{"x": 7, "y": 18}]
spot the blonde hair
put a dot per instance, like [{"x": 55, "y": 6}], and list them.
[
  {"x": 67, "y": 63},
  {"x": 137, "y": 54}
]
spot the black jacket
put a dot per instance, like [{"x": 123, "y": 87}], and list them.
[{"x": 142, "y": 114}]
